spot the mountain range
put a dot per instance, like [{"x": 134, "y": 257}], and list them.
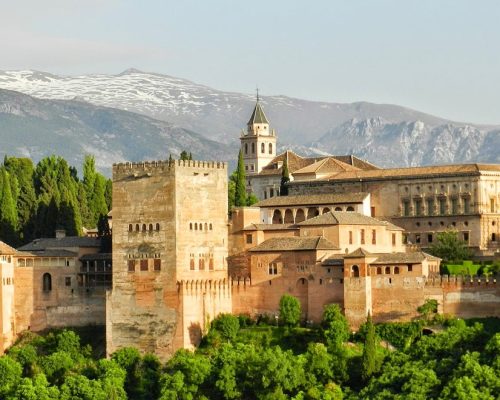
[{"x": 154, "y": 114}]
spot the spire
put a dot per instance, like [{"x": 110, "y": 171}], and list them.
[{"x": 258, "y": 116}]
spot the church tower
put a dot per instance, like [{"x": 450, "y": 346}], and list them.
[{"x": 258, "y": 143}]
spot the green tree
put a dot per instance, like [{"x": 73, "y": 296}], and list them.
[
  {"x": 368, "y": 360},
  {"x": 8, "y": 210},
  {"x": 290, "y": 310},
  {"x": 10, "y": 375},
  {"x": 428, "y": 309},
  {"x": 240, "y": 194},
  {"x": 335, "y": 327},
  {"x": 449, "y": 247},
  {"x": 285, "y": 178},
  {"x": 252, "y": 199},
  {"x": 184, "y": 155},
  {"x": 228, "y": 325}
]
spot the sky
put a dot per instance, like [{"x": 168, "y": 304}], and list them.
[{"x": 437, "y": 56}]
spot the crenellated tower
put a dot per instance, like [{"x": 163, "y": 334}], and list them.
[{"x": 258, "y": 143}]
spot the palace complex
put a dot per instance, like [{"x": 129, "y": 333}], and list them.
[{"x": 348, "y": 232}]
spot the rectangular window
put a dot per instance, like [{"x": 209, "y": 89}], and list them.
[
  {"x": 67, "y": 281},
  {"x": 466, "y": 237},
  {"x": 374, "y": 236},
  {"x": 362, "y": 236},
  {"x": 144, "y": 265},
  {"x": 410, "y": 268},
  {"x": 429, "y": 238},
  {"x": 406, "y": 208},
  {"x": 492, "y": 205},
  {"x": 350, "y": 237},
  {"x": 211, "y": 264},
  {"x": 372, "y": 211},
  {"x": 417, "y": 238},
  {"x": 466, "y": 205},
  {"x": 442, "y": 206},
  {"x": 394, "y": 239},
  {"x": 418, "y": 207},
  {"x": 131, "y": 265},
  {"x": 249, "y": 239},
  {"x": 271, "y": 192},
  {"x": 157, "y": 264},
  {"x": 454, "y": 206},
  {"x": 201, "y": 264},
  {"x": 273, "y": 269},
  {"x": 430, "y": 206}
]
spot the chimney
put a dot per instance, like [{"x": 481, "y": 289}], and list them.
[{"x": 60, "y": 233}]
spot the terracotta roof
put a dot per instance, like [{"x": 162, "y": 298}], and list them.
[
  {"x": 458, "y": 169},
  {"x": 295, "y": 244},
  {"x": 270, "y": 227},
  {"x": 356, "y": 162},
  {"x": 294, "y": 162},
  {"x": 360, "y": 252},
  {"x": 403, "y": 258},
  {"x": 312, "y": 199},
  {"x": 342, "y": 218},
  {"x": 68, "y": 241},
  {"x": 5, "y": 249},
  {"x": 326, "y": 165}
]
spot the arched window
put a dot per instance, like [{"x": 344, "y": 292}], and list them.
[
  {"x": 144, "y": 227},
  {"x": 206, "y": 226},
  {"x": 150, "y": 227},
  {"x": 157, "y": 227},
  {"x": 396, "y": 270},
  {"x": 47, "y": 282},
  {"x": 201, "y": 226},
  {"x": 262, "y": 148},
  {"x": 191, "y": 264},
  {"x": 270, "y": 148},
  {"x": 137, "y": 227},
  {"x": 387, "y": 270},
  {"x": 211, "y": 264},
  {"x": 325, "y": 210},
  {"x": 355, "y": 271},
  {"x": 246, "y": 148},
  {"x": 201, "y": 264},
  {"x": 130, "y": 228},
  {"x": 379, "y": 271},
  {"x": 210, "y": 226},
  {"x": 338, "y": 208},
  {"x": 195, "y": 226},
  {"x": 350, "y": 208},
  {"x": 190, "y": 226},
  {"x": 253, "y": 148}
]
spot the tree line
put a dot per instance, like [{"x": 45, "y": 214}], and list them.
[{"x": 35, "y": 200}]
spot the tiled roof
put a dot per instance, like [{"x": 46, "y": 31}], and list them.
[
  {"x": 96, "y": 256},
  {"x": 326, "y": 165},
  {"x": 312, "y": 199},
  {"x": 5, "y": 249},
  {"x": 49, "y": 253},
  {"x": 270, "y": 227},
  {"x": 258, "y": 116},
  {"x": 458, "y": 169},
  {"x": 295, "y": 244},
  {"x": 68, "y": 241},
  {"x": 360, "y": 252},
  {"x": 342, "y": 218},
  {"x": 334, "y": 261},
  {"x": 356, "y": 162},
  {"x": 403, "y": 258}
]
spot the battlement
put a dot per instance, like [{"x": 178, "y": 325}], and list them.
[
  {"x": 145, "y": 166},
  {"x": 201, "y": 286},
  {"x": 459, "y": 280}
]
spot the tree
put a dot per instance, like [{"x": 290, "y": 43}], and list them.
[
  {"x": 10, "y": 373},
  {"x": 368, "y": 359},
  {"x": 449, "y": 247},
  {"x": 430, "y": 307},
  {"x": 228, "y": 325},
  {"x": 8, "y": 210},
  {"x": 240, "y": 195},
  {"x": 184, "y": 155},
  {"x": 285, "y": 178},
  {"x": 290, "y": 310},
  {"x": 251, "y": 199},
  {"x": 335, "y": 327}
]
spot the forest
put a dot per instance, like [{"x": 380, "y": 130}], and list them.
[
  {"x": 433, "y": 357},
  {"x": 35, "y": 200}
]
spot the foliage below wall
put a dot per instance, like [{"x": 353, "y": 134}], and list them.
[{"x": 241, "y": 358}]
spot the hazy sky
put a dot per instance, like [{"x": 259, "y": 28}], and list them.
[{"x": 437, "y": 56}]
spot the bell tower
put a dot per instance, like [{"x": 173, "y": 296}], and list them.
[{"x": 258, "y": 142}]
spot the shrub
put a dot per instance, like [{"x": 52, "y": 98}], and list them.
[{"x": 289, "y": 310}]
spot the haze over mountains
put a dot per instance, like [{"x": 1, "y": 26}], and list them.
[{"x": 177, "y": 110}]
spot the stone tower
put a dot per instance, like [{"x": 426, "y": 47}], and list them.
[
  {"x": 169, "y": 254},
  {"x": 258, "y": 143}
]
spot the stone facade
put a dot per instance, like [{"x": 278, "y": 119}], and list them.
[{"x": 169, "y": 254}]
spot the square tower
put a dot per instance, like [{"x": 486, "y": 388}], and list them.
[{"x": 169, "y": 254}]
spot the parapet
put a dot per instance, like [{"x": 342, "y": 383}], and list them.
[
  {"x": 461, "y": 280},
  {"x": 150, "y": 167}
]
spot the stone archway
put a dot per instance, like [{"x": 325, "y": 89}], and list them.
[
  {"x": 312, "y": 212},
  {"x": 300, "y": 216},
  {"x": 288, "y": 216},
  {"x": 277, "y": 218}
]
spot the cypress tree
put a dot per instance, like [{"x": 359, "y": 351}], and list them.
[
  {"x": 8, "y": 212},
  {"x": 98, "y": 204},
  {"x": 285, "y": 178},
  {"x": 240, "y": 197},
  {"x": 108, "y": 194},
  {"x": 368, "y": 360},
  {"x": 184, "y": 155}
]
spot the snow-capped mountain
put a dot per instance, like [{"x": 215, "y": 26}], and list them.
[
  {"x": 384, "y": 134},
  {"x": 36, "y": 128}
]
